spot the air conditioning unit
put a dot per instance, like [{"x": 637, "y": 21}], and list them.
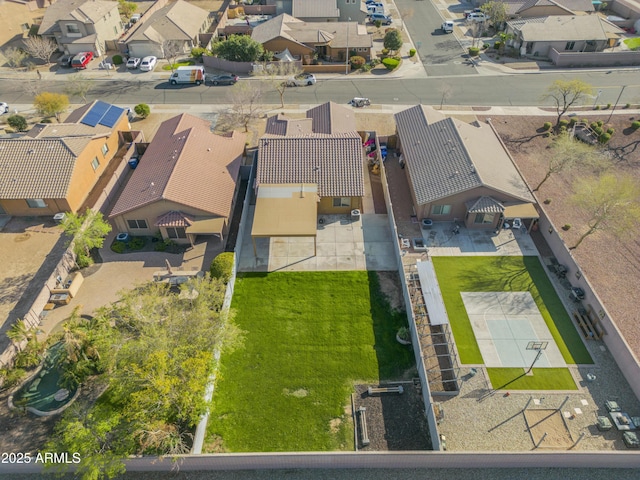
[{"x": 355, "y": 215}]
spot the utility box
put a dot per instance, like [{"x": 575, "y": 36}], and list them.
[{"x": 190, "y": 74}]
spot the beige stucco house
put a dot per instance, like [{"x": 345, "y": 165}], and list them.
[
  {"x": 54, "y": 167},
  {"x": 184, "y": 185},
  {"x": 459, "y": 171},
  {"x": 82, "y": 25}
]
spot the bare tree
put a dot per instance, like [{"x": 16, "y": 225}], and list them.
[
  {"x": 610, "y": 203},
  {"x": 32, "y": 87},
  {"x": 446, "y": 90},
  {"x": 246, "y": 105},
  {"x": 40, "y": 47},
  {"x": 565, "y": 94},
  {"x": 279, "y": 75},
  {"x": 77, "y": 85},
  {"x": 171, "y": 51},
  {"x": 14, "y": 56},
  {"x": 567, "y": 152}
]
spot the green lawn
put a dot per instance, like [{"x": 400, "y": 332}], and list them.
[
  {"x": 542, "y": 379},
  {"x": 309, "y": 337},
  {"x": 632, "y": 43},
  {"x": 504, "y": 274}
]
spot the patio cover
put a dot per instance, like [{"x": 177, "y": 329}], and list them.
[
  {"x": 207, "y": 226},
  {"x": 521, "y": 210},
  {"x": 285, "y": 210},
  {"x": 431, "y": 293}
]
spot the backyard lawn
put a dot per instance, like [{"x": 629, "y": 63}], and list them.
[
  {"x": 309, "y": 337},
  {"x": 632, "y": 43},
  {"x": 542, "y": 379},
  {"x": 504, "y": 274}
]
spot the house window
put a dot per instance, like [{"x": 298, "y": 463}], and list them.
[
  {"x": 441, "y": 210},
  {"x": 72, "y": 28},
  {"x": 570, "y": 45},
  {"x": 105, "y": 149},
  {"x": 484, "y": 218},
  {"x": 137, "y": 223},
  {"x": 95, "y": 163},
  {"x": 342, "y": 202},
  {"x": 115, "y": 30},
  {"x": 176, "y": 232},
  {"x": 36, "y": 203}
]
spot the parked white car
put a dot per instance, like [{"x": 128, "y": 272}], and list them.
[
  {"x": 4, "y": 108},
  {"x": 477, "y": 17},
  {"x": 375, "y": 8},
  {"x": 301, "y": 80},
  {"x": 447, "y": 26},
  {"x": 133, "y": 62},
  {"x": 148, "y": 64}
]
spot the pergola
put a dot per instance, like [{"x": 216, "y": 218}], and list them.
[
  {"x": 524, "y": 211},
  {"x": 285, "y": 210}
]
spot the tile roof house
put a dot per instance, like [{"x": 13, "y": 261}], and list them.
[
  {"x": 82, "y": 25},
  {"x": 322, "y": 10},
  {"x": 185, "y": 183},
  {"x": 564, "y": 33},
  {"x": 459, "y": 171},
  {"x": 303, "y": 39},
  {"x": 53, "y": 167},
  {"x": 179, "y": 23},
  {"x": 326, "y": 118}
]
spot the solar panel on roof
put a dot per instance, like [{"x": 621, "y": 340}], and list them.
[
  {"x": 111, "y": 117},
  {"x": 96, "y": 112}
]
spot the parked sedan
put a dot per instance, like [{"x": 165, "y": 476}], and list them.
[
  {"x": 148, "y": 64},
  {"x": 65, "y": 61},
  {"x": 385, "y": 19},
  {"x": 133, "y": 62},
  {"x": 4, "y": 108},
  {"x": 221, "y": 79},
  {"x": 301, "y": 80}
]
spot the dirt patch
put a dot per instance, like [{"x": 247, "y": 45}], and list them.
[
  {"x": 394, "y": 422},
  {"x": 299, "y": 393},
  {"x": 621, "y": 268},
  {"x": 547, "y": 429},
  {"x": 334, "y": 425},
  {"x": 391, "y": 288}
]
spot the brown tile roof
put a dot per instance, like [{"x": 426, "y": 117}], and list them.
[
  {"x": 187, "y": 164},
  {"x": 174, "y": 219},
  {"x": 281, "y": 125},
  {"x": 484, "y": 204},
  {"x": 332, "y": 118},
  {"x": 446, "y": 156},
  {"x": 333, "y": 162}
]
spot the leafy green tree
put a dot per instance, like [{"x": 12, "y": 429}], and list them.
[
  {"x": 568, "y": 152},
  {"x": 393, "y": 40},
  {"x": 86, "y": 231},
  {"x": 496, "y": 11},
  {"x": 222, "y": 267},
  {"x": 126, "y": 8},
  {"x": 142, "y": 110},
  {"x": 18, "y": 122},
  {"x": 238, "y": 48},
  {"x": 609, "y": 202},
  {"x": 51, "y": 104},
  {"x": 20, "y": 333},
  {"x": 566, "y": 93}
]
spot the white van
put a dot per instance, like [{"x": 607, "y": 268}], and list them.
[
  {"x": 191, "y": 74},
  {"x": 447, "y": 26}
]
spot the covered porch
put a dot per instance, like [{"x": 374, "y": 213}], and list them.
[{"x": 182, "y": 227}]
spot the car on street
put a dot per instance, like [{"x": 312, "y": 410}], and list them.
[
  {"x": 302, "y": 80},
  {"x": 148, "y": 64},
  {"x": 385, "y": 19},
  {"x": 81, "y": 60},
  {"x": 221, "y": 79},
  {"x": 447, "y": 26},
  {"x": 65, "y": 61},
  {"x": 4, "y": 108},
  {"x": 133, "y": 62}
]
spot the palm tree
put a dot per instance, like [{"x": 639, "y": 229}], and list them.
[{"x": 19, "y": 333}]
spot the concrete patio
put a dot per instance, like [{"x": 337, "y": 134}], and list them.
[{"x": 342, "y": 244}]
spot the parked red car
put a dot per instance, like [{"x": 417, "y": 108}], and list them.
[{"x": 81, "y": 60}]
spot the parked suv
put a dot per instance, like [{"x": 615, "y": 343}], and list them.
[
  {"x": 385, "y": 19},
  {"x": 81, "y": 60}
]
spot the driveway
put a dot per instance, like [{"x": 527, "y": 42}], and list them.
[{"x": 440, "y": 53}]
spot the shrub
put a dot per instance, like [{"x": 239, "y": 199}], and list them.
[
  {"x": 12, "y": 376},
  {"x": 566, "y": 227},
  {"x": 117, "y": 59},
  {"x": 46, "y": 120},
  {"x": 597, "y": 107},
  {"x": 17, "y": 122},
  {"x": 635, "y": 125},
  {"x": 118, "y": 247},
  {"x": 585, "y": 121},
  {"x": 593, "y": 125},
  {"x": 357, "y": 62},
  {"x": 628, "y": 105},
  {"x": 485, "y": 46},
  {"x": 563, "y": 123},
  {"x": 497, "y": 45},
  {"x": 385, "y": 51},
  {"x": 222, "y": 266},
  {"x": 198, "y": 52},
  {"x": 160, "y": 247},
  {"x": 83, "y": 260},
  {"x": 136, "y": 243},
  {"x": 390, "y": 63},
  {"x": 547, "y": 126},
  {"x": 573, "y": 121},
  {"x": 598, "y": 131},
  {"x": 611, "y": 130},
  {"x": 600, "y": 123},
  {"x": 547, "y": 201},
  {"x": 474, "y": 51},
  {"x": 604, "y": 138},
  {"x": 412, "y": 52},
  {"x": 378, "y": 23},
  {"x": 608, "y": 105},
  {"x": 142, "y": 109}
]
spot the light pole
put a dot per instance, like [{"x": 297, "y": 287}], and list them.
[
  {"x": 616, "y": 104},
  {"x": 597, "y": 97},
  {"x": 346, "y": 55}
]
